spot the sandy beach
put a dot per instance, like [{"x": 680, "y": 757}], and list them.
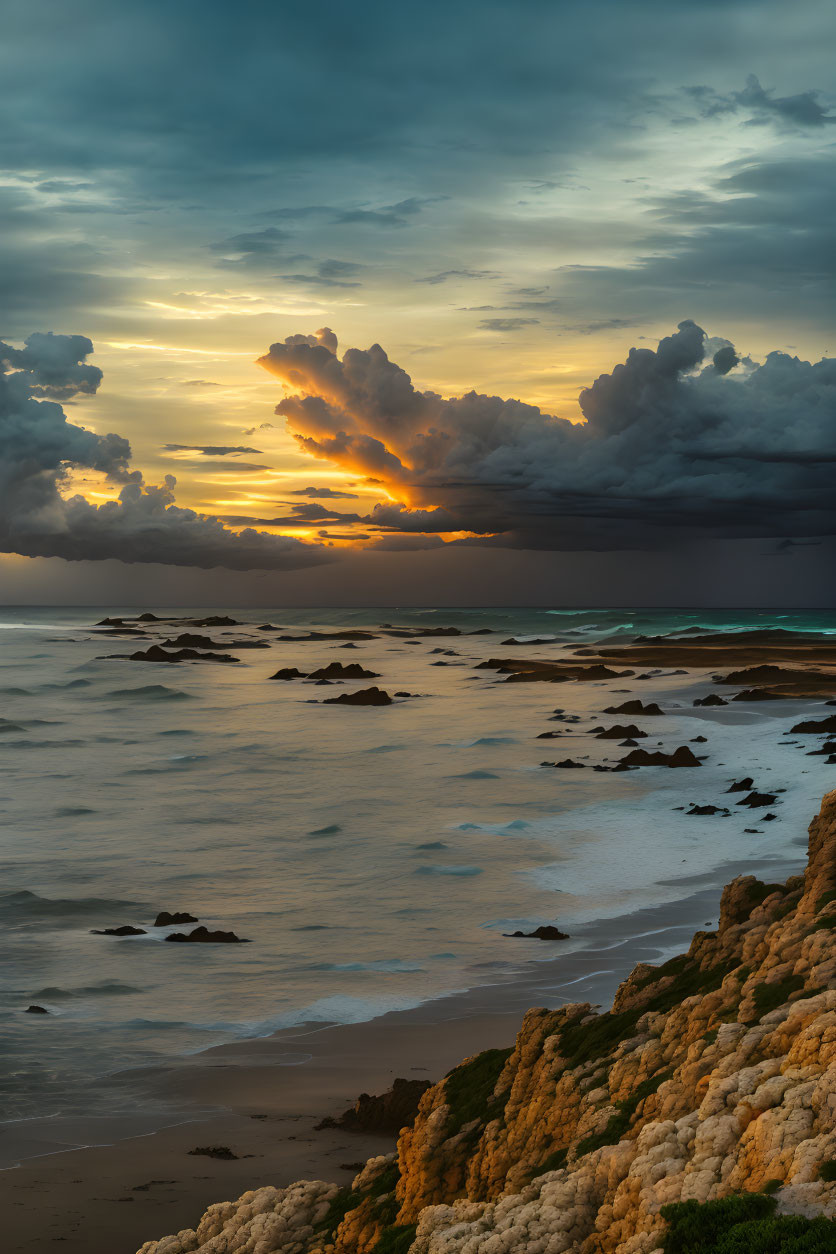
[{"x": 263, "y": 1098}]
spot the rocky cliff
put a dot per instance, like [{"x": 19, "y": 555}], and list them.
[{"x": 711, "y": 1076}]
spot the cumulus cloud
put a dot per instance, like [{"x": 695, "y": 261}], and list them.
[
  {"x": 38, "y": 450},
  {"x": 675, "y": 440}
]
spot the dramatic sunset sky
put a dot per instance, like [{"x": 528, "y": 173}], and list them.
[{"x": 462, "y": 302}]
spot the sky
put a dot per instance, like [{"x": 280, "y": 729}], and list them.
[{"x": 450, "y": 303}]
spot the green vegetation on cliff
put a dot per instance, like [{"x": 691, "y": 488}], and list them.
[{"x": 744, "y": 1224}]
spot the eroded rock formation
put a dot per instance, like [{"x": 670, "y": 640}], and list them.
[{"x": 713, "y": 1074}]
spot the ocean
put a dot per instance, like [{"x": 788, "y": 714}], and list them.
[{"x": 374, "y": 858}]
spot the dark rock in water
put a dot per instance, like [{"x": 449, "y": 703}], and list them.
[
  {"x": 164, "y": 918},
  {"x": 549, "y": 735},
  {"x": 366, "y": 696},
  {"x": 202, "y": 936},
  {"x": 439, "y": 663},
  {"x": 767, "y": 818},
  {"x": 404, "y": 694},
  {"x": 386, "y": 1113},
  {"x": 324, "y": 683},
  {"x": 627, "y": 744},
  {"x": 824, "y": 751},
  {"x": 741, "y": 785},
  {"x": 708, "y": 810},
  {"x": 759, "y": 694},
  {"x": 616, "y": 732},
  {"x": 699, "y": 740},
  {"x": 336, "y": 670},
  {"x": 216, "y": 621},
  {"x": 350, "y": 634},
  {"x": 635, "y": 707},
  {"x": 546, "y": 932},
  {"x": 288, "y": 672},
  {"x": 268, "y": 627},
  {"x": 757, "y": 799},
  {"x": 348, "y": 645},
  {"x": 189, "y": 640},
  {"x": 36, "y": 1010},
  {"x": 811, "y": 725},
  {"x": 213, "y": 1151},
  {"x": 751, "y": 831},
  {"x": 109, "y": 622},
  {"x": 711, "y": 699},
  {"x": 157, "y": 654},
  {"x": 532, "y": 640},
  {"x": 566, "y": 763},
  {"x": 124, "y": 930},
  {"x": 644, "y": 757},
  {"x": 148, "y": 618}
]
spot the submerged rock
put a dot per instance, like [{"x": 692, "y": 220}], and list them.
[
  {"x": 164, "y": 919},
  {"x": 682, "y": 756},
  {"x": 741, "y": 785},
  {"x": 202, "y": 936},
  {"x": 337, "y": 670},
  {"x": 635, "y": 707},
  {"x": 366, "y": 696},
  {"x": 711, "y": 699},
  {"x": 618, "y": 731},
  {"x": 36, "y": 1010},
  {"x": 758, "y": 799},
  {"x": 125, "y": 930},
  {"x": 544, "y": 932},
  {"x": 157, "y": 654}
]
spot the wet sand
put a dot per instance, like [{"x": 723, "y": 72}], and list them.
[{"x": 262, "y": 1098}]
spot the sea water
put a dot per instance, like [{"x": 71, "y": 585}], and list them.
[{"x": 373, "y": 858}]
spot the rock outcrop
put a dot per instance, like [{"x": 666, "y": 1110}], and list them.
[{"x": 712, "y": 1075}]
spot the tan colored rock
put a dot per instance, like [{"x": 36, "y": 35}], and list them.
[{"x": 714, "y": 1073}]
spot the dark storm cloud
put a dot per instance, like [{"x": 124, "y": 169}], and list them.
[
  {"x": 38, "y": 447},
  {"x": 758, "y": 243},
  {"x": 300, "y": 516},
  {"x": 210, "y": 450},
  {"x": 801, "y": 110},
  {"x": 507, "y": 324},
  {"x": 671, "y": 441},
  {"x": 324, "y": 493},
  {"x": 445, "y": 275}
]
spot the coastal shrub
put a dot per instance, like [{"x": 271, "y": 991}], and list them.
[
  {"x": 744, "y": 1224},
  {"x": 825, "y": 899},
  {"x": 555, "y": 1161},
  {"x": 619, "y": 1121},
  {"x": 759, "y": 892},
  {"x": 827, "y": 1169},
  {"x": 469, "y": 1088},
  {"x": 347, "y": 1199},
  {"x": 341, "y": 1203},
  {"x": 395, "y": 1240},
  {"x": 771, "y": 1186},
  {"x": 769, "y": 997},
  {"x": 580, "y": 1042}
]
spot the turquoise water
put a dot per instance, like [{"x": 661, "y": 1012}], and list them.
[{"x": 373, "y": 857}]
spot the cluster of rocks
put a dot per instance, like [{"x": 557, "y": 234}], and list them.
[{"x": 199, "y": 935}]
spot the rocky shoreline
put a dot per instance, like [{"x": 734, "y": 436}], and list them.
[{"x": 712, "y": 1076}]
